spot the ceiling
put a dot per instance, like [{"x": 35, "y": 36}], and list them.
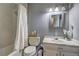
[{"x": 43, "y": 7}]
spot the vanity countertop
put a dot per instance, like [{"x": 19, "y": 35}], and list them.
[{"x": 61, "y": 41}]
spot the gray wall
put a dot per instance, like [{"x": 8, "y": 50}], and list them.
[
  {"x": 74, "y": 20},
  {"x": 7, "y": 27},
  {"x": 67, "y": 20},
  {"x": 38, "y": 19}
]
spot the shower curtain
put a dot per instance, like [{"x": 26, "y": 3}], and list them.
[{"x": 22, "y": 29}]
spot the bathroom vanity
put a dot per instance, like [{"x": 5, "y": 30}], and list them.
[{"x": 60, "y": 47}]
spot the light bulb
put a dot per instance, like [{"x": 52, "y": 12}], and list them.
[
  {"x": 63, "y": 8},
  {"x": 56, "y": 9},
  {"x": 50, "y": 10}
]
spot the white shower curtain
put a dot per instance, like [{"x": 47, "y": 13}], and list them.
[{"x": 22, "y": 29}]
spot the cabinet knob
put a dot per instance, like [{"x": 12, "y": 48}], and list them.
[
  {"x": 63, "y": 54},
  {"x": 56, "y": 54}
]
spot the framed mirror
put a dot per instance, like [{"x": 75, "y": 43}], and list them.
[{"x": 56, "y": 21}]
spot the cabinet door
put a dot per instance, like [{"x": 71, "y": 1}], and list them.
[
  {"x": 48, "y": 46},
  {"x": 69, "y": 51},
  {"x": 50, "y": 49}
]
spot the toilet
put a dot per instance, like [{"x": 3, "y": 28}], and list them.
[{"x": 31, "y": 49}]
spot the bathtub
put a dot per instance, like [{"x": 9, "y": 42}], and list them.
[
  {"x": 15, "y": 53},
  {"x": 5, "y": 51}
]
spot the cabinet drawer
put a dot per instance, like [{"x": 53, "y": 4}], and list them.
[
  {"x": 69, "y": 54},
  {"x": 70, "y": 49},
  {"x": 51, "y": 47}
]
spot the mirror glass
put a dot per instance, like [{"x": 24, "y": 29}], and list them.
[{"x": 56, "y": 21}]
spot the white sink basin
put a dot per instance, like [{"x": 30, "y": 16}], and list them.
[
  {"x": 53, "y": 40},
  {"x": 60, "y": 41}
]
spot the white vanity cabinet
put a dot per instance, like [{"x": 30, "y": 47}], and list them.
[
  {"x": 59, "y": 50},
  {"x": 56, "y": 48}
]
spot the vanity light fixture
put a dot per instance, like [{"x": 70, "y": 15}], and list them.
[{"x": 57, "y": 9}]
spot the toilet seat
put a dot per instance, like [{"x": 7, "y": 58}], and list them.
[{"x": 30, "y": 50}]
